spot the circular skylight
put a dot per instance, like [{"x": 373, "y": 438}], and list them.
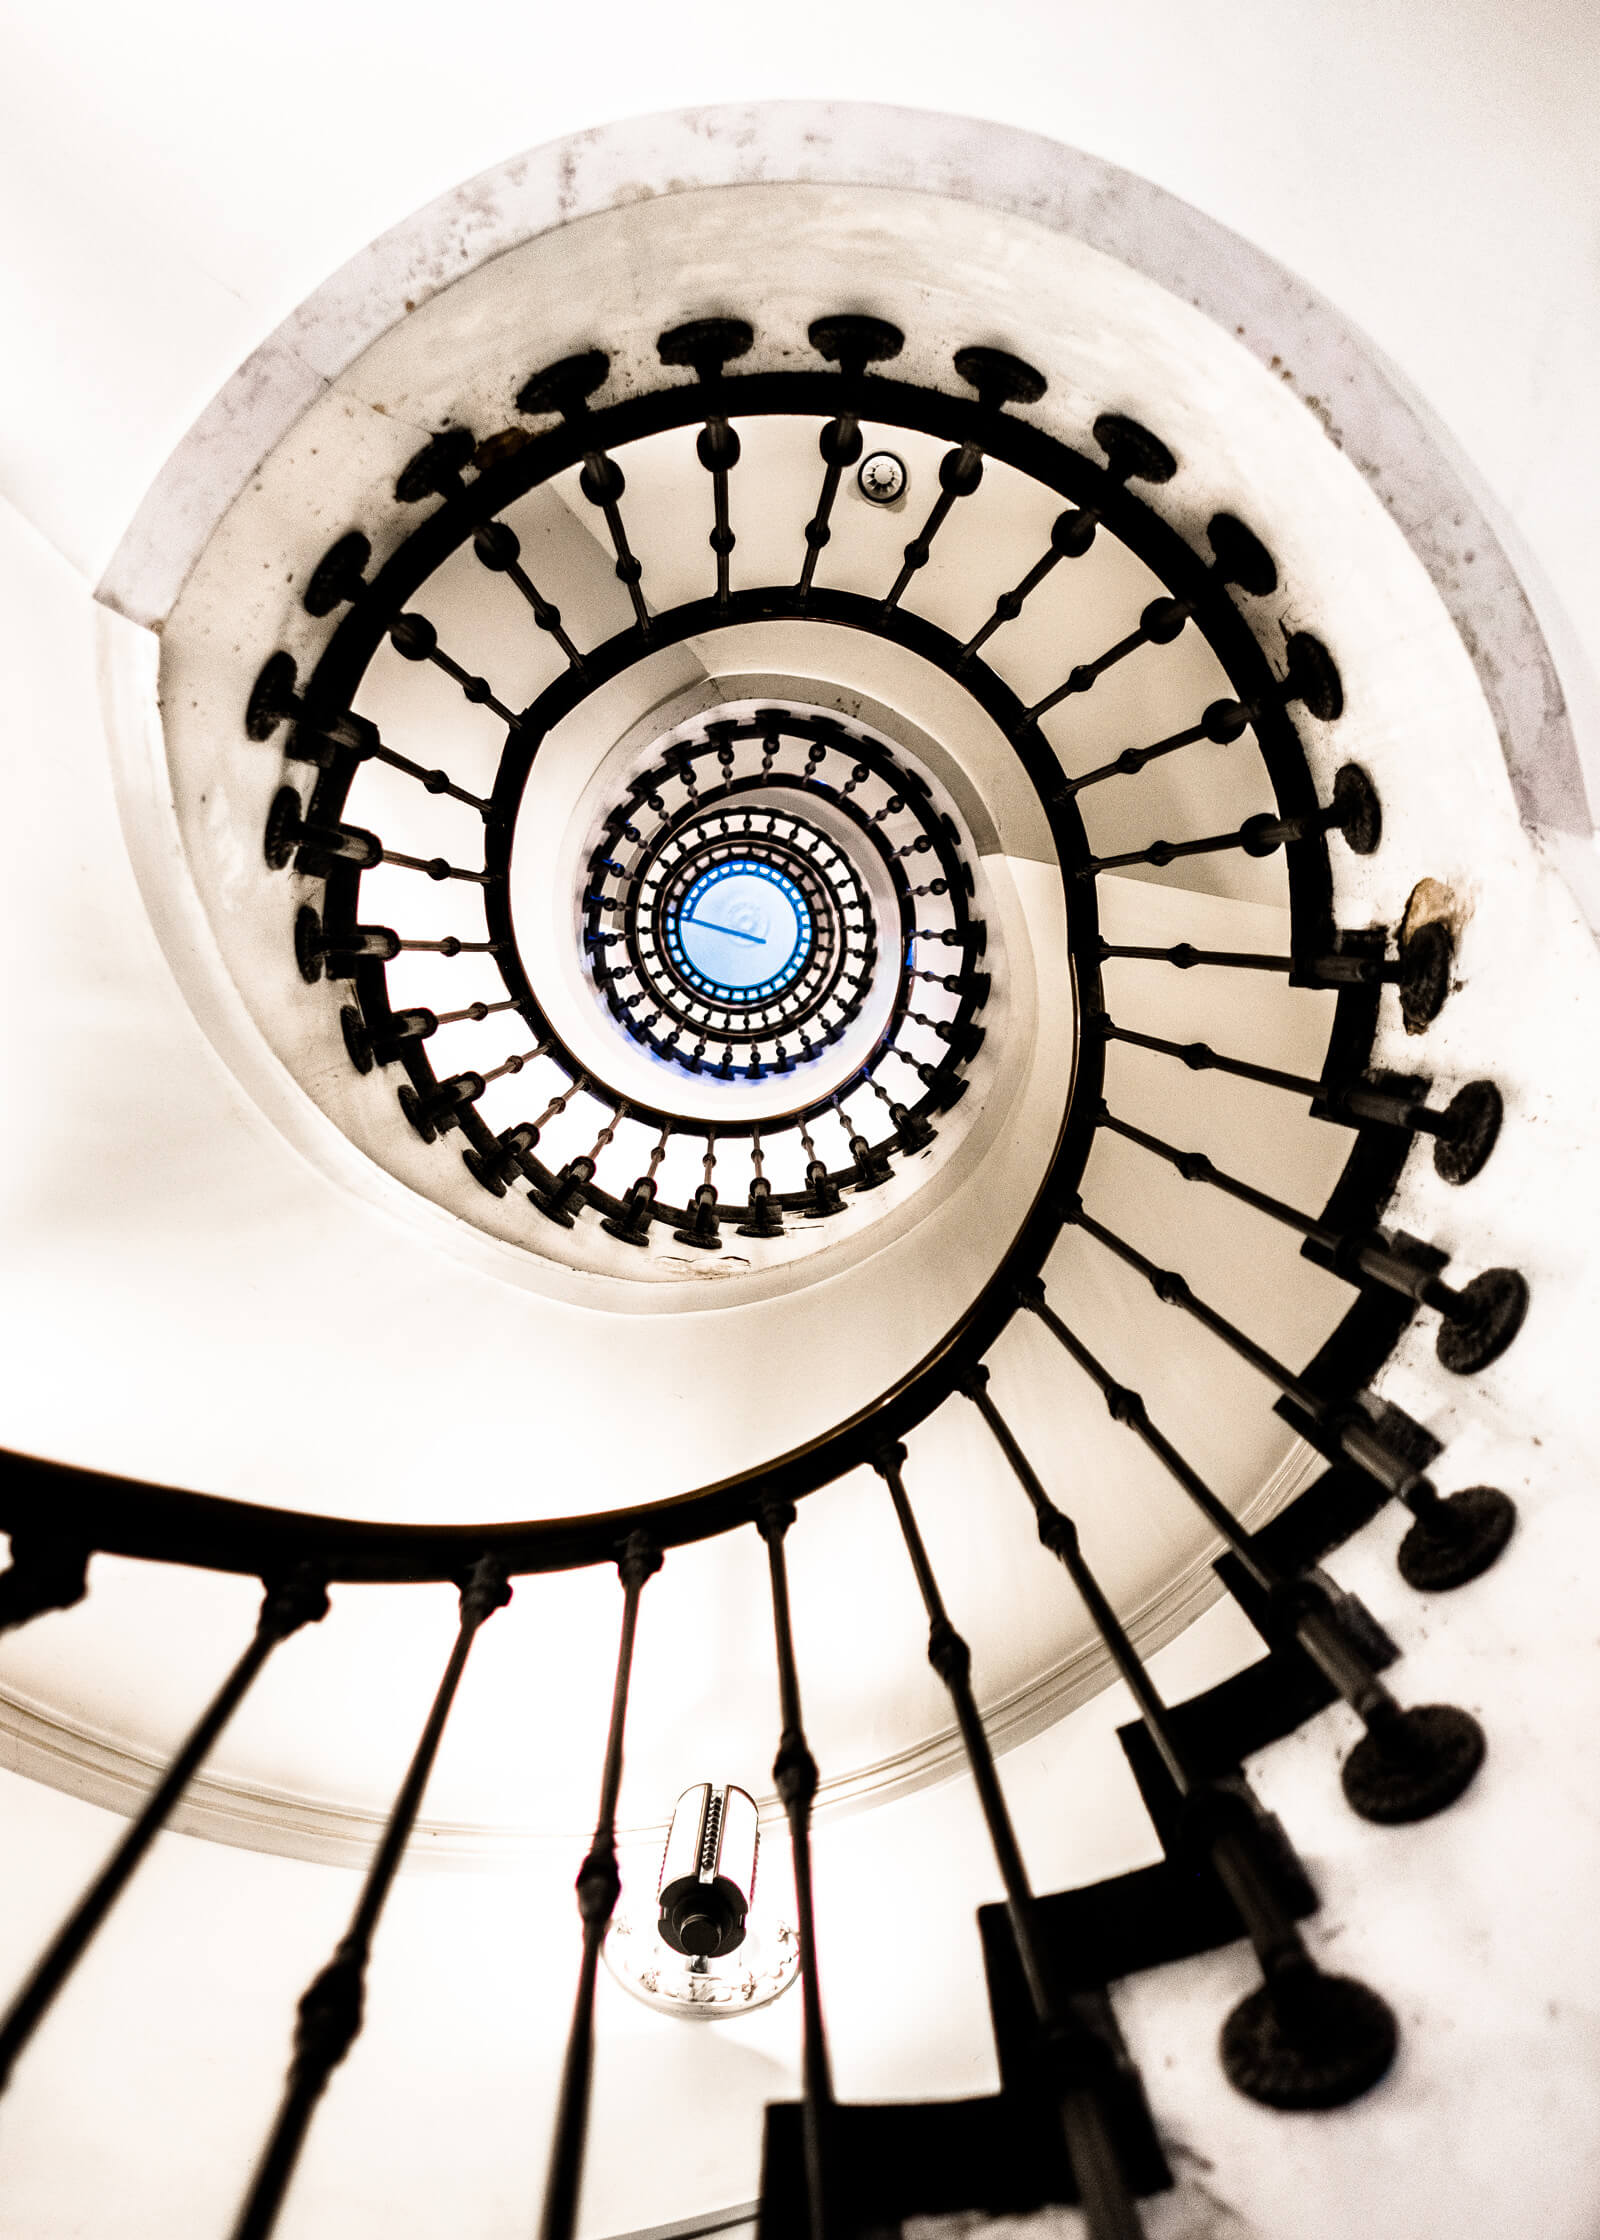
[{"x": 742, "y": 931}]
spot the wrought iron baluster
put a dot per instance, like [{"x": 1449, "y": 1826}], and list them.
[
  {"x": 498, "y": 549},
  {"x": 1239, "y": 557},
  {"x": 1412, "y": 1762},
  {"x": 1354, "y": 811},
  {"x": 852, "y": 342},
  {"x": 566, "y": 387},
  {"x": 330, "y": 2013},
  {"x": 1133, "y": 454},
  {"x": 1082, "y": 2041},
  {"x": 316, "y": 848},
  {"x": 707, "y": 345},
  {"x": 795, "y": 1772},
  {"x": 1305, "y": 2039},
  {"x": 384, "y": 1040},
  {"x": 631, "y": 1225},
  {"x": 1070, "y": 538},
  {"x": 912, "y": 1131},
  {"x": 1464, "y": 1132},
  {"x": 701, "y": 1228},
  {"x": 597, "y": 1886},
  {"x": 1223, "y": 722},
  {"x": 451, "y": 947},
  {"x": 762, "y": 1218},
  {"x": 1333, "y": 969},
  {"x": 287, "y": 1606},
  {"x": 430, "y": 1111},
  {"x": 436, "y": 867},
  {"x": 414, "y": 638},
  {"x": 564, "y": 1200},
  {"x": 999, "y": 379},
  {"x": 1455, "y": 1537},
  {"x": 1479, "y": 1320},
  {"x": 320, "y": 738},
  {"x": 822, "y": 1193}
]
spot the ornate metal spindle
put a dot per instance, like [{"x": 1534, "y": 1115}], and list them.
[
  {"x": 451, "y": 947},
  {"x": 974, "y": 935},
  {"x": 1333, "y": 969},
  {"x": 287, "y": 1606},
  {"x": 321, "y": 737},
  {"x": 794, "y": 1770},
  {"x": 1239, "y": 557},
  {"x": 632, "y": 1224},
  {"x": 498, "y": 549},
  {"x": 852, "y": 342},
  {"x": 316, "y": 848},
  {"x": 431, "y": 781},
  {"x": 430, "y": 1111},
  {"x": 763, "y": 1218},
  {"x": 823, "y": 1196},
  {"x": 385, "y": 1039},
  {"x": 339, "y": 578},
  {"x": 1455, "y": 1537},
  {"x": 1082, "y": 2042},
  {"x": 999, "y": 379},
  {"x": 566, "y": 387},
  {"x": 707, "y": 345},
  {"x": 436, "y": 867},
  {"x": 1223, "y": 722},
  {"x": 46, "y": 1572},
  {"x": 964, "y": 1039},
  {"x": 701, "y": 1228},
  {"x": 1311, "y": 678},
  {"x": 338, "y": 952},
  {"x": 510, "y": 1161},
  {"x": 414, "y": 638},
  {"x": 977, "y": 984},
  {"x": 1354, "y": 811},
  {"x": 1412, "y": 1762},
  {"x": 563, "y": 1201},
  {"x": 598, "y": 1885},
  {"x": 1421, "y": 971},
  {"x": 330, "y": 2012},
  {"x": 1464, "y": 1132},
  {"x": 1479, "y": 1321},
  {"x": 1071, "y": 535},
  {"x": 1304, "y": 2040},
  {"x": 1133, "y": 454},
  {"x": 872, "y": 1169},
  {"x": 911, "y": 1131}
]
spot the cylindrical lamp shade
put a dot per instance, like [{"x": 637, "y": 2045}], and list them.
[{"x": 708, "y": 1872}]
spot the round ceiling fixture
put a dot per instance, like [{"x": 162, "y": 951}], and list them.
[
  {"x": 881, "y": 477},
  {"x": 762, "y": 892},
  {"x": 742, "y": 931}
]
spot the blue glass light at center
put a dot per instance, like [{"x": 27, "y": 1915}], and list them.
[{"x": 742, "y": 931}]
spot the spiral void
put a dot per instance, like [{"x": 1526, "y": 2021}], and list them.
[{"x": 720, "y": 980}]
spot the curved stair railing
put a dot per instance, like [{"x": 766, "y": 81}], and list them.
[{"x": 1071, "y": 2121}]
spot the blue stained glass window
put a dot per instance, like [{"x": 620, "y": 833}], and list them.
[{"x": 742, "y": 931}]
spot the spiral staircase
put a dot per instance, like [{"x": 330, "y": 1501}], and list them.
[{"x": 1117, "y": 1239}]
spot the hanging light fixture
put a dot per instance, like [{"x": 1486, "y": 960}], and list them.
[{"x": 710, "y": 1951}]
